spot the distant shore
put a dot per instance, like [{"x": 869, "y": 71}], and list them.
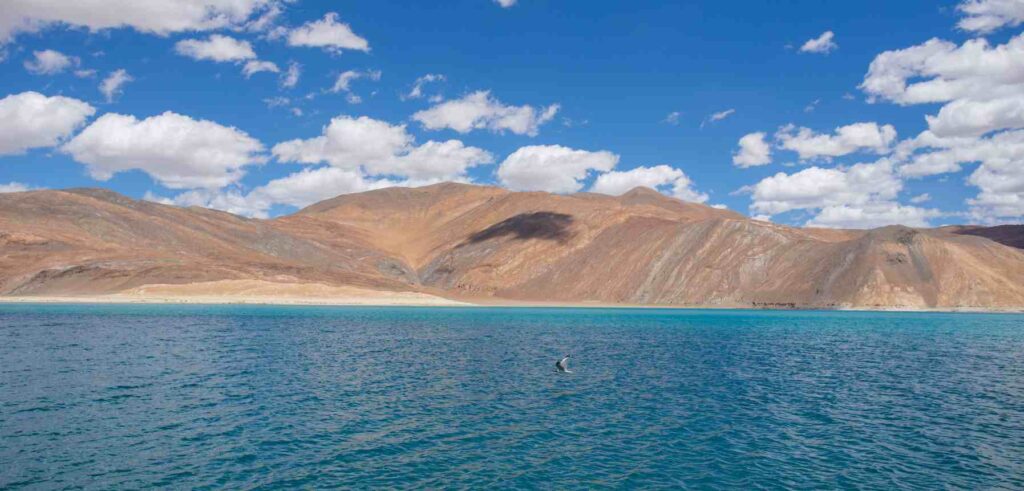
[
  {"x": 346, "y": 296},
  {"x": 250, "y": 292}
]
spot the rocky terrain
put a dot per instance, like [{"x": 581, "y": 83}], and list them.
[{"x": 487, "y": 244}]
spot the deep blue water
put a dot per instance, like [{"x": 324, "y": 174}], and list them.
[{"x": 115, "y": 397}]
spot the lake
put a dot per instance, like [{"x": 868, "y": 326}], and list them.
[{"x": 129, "y": 396}]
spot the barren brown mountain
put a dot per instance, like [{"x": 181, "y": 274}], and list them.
[
  {"x": 1011, "y": 235},
  {"x": 485, "y": 244}
]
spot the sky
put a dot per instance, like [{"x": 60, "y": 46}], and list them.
[{"x": 805, "y": 113}]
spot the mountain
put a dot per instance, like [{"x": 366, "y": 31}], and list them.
[
  {"x": 481, "y": 243},
  {"x": 1011, "y": 235}
]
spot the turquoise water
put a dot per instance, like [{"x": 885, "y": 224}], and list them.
[{"x": 115, "y": 397}]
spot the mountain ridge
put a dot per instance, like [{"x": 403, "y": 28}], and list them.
[{"x": 479, "y": 242}]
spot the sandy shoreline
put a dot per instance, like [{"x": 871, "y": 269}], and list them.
[
  {"x": 398, "y": 301},
  {"x": 259, "y": 292},
  {"x": 250, "y": 292}
]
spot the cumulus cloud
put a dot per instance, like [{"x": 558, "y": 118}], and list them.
[
  {"x": 823, "y": 44},
  {"x": 479, "y": 110},
  {"x": 999, "y": 177},
  {"x": 663, "y": 178},
  {"x": 940, "y": 71},
  {"x": 552, "y": 168},
  {"x": 416, "y": 91},
  {"x": 15, "y": 187},
  {"x": 328, "y": 34},
  {"x": 217, "y": 48},
  {"x": 817, "y": 187},
  {"x": 299, "y": 189},
  {"x": 160, "y": 17},
  {"x": 49, "y": 62},
  {"x": 225, "y": 49},
  {"x": 32, "y": 120},
  {"x": 177, "y": 151},
  {"x": 380, "y": 148},
  {"x": 985, "y": 16},
  {"x": 981, "y": 122},
  {"x": 754, "y": 150},
  {"x": 968, "y": 117},
  {"x": 872, "y": 215},
  {"x": 505, "y": 3},
  {"x": 111, "y": 86},
  {"x": 846, "y": 140}
]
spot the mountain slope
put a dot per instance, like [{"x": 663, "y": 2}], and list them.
[
  {"x": 476, "y": 242},
  {"x": 96, "y": 241}
]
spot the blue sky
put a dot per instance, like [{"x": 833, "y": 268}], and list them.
[{"x": 556, "y": 95}]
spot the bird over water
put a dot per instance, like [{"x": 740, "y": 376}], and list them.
[{"x": 563, "y": 365}]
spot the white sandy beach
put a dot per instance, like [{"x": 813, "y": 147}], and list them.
[
  {"x": 259, "y": 292},
  {"x": 254, "y": 292}
]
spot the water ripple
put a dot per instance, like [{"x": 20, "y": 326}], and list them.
[{"x": 264, "y": 397}]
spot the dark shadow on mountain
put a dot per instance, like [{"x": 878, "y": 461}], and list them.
[
  {"x": 544, "y": 225},
  {"x": 1011, "y": 235}
]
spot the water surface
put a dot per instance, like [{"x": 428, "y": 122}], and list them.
[{"x": 102, "y": 397}]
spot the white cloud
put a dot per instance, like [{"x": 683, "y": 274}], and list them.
[
  {"x": 859, "y": 197},
  {"x": 967, "y": 117},
  {"x": 216, "y": 48},
  {"x": 505, "y": 3},
  {"x": 716, "y": 117},
  {"x": 754, "y": 151},
  {"x": 253, "y": 67},
  {"x": 49, "y": 62},
  {"x": 224, "y": 49},
  {"x": 159, "y": 17},
  {"x": 267, "y": 21},
  {"x": 379, "y": 148},
  {"x": 672, "y": 118},
  {"x": 921, "y": 198},
  {"x": 299, "y": 189},
  {"x": 872, "y": 215},
  {"x": 999, "y": 177},
  {"x": 552, "y": 168},
  {"x": 846, "y": 140},
  {"x": 176, "y": 150},
  {"x": 480, "y": 110},
  {"x": 822, "y": 44},
  {"x": 982, "y": 86},
  {"x": 329, "y": 34},
  {"x": 15, "y": 187},
  {"x": 984, "y": 16},
  {"x": 291, "y": 77},
  {"x": 663, "y": 178},
  {"x": 817, "y": 187},
  {"x": 939, "y": 71},
  {"x": 435, "y": 160},
  {"x": 345, "y": 79},
  {"x": 89, "y": 73},
  {"x": 111, "y": 86},
  {"x": 417, "y": 87},
  {"x": 32, "y": 120},
  {"x": 277, "y": 101}
]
